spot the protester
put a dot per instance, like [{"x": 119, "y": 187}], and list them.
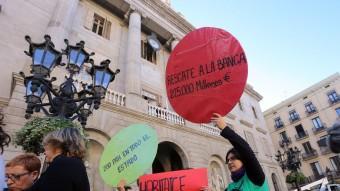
[
  {"x": 246, "y": 171},
  {"x": 5, "y": 139},
  {"x": 22, "y": 171},
  {"x": 64, "y": 150},
  {"x": 122, "y": 186}
]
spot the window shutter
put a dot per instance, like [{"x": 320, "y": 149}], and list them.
[
  {"x": 107, "y": 29},
  {"x": 89, "y": 19}
]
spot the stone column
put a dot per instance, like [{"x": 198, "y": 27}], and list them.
[
  {"x": 60, "y": 24},
  {"x": 133, "y": 64}
]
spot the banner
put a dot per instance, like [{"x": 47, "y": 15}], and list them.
[
  {"x": 128, "y": 154},
  {"x": 182, "y": 180},
  {"x": 206, "y": 73}
]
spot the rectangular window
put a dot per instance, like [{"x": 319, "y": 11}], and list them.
[
  {"x": 333, "y": 97},
  {"x": 337, "y": 110},
  {"x": 278, "y": 122},
  {"x": 317, "y": 123},
  {"x": 310, "y": 107},
  {"x": 335, "y": 162},
  {"x": 254, "y": 111},
  {"x": 317, "y": 171},
  {"x": 284, "y": 136},
  {"x": 101, "y": 26},
  {"x": 293, "y": 115},
  {"x": 148, "y": 52},
  {"x": 308, "y": 148},
  {"x": 300, "y": 131},
  {"x": 240, "y": 105}
]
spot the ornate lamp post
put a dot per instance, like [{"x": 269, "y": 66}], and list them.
[
  {"x": 65, "y": 101},
  {"x": 289, "y": 159}
]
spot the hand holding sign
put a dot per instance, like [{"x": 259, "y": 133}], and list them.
[
  {"x": 206, "y": 73},
  {"x": 128, "y": 154},
  {"x": 219, "y": 120},
  {"x": 182, "y": 180}
]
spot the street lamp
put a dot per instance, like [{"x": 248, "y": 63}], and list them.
[
  {"x": 65, "y": 101},
  {"x": 289, "y": 159}
]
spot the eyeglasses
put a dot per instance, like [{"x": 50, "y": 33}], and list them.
[
  {"x": 232, "y": 158},
  {"x": 15, "y": 177}
]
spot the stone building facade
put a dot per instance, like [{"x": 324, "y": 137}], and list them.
[
  {"x": 302, "y": 121},
  {"x": 117, "y": 30}
]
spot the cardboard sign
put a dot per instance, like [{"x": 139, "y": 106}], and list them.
[
  {"x": 128, "y": 154},
  {"x": 206, "y": 73},
  {"x": 182, "y": 180}
]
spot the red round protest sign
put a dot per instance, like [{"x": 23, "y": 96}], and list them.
[{"x": 206, "y": 73}]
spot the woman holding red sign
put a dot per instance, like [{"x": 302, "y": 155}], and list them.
[{"x": 246, "y": 171}]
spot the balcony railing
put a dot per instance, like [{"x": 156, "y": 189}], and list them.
[
  {"x": 325, "y": 150},
  {"x": 319, "y": 129},
  {"x": 165, "y": 114},
  {"x": 278, "y": 126},
  {"x": 212, "y": 130},
  {"x": 309, "y": 155},
  {"x": 115, "y": 97},
  {"x": 332, "y": 102},
  {"x": 301, "y": 135},
  {"x": 310, "y": 112},
  {"x": 286, "y": 141},
  {"x": 294, "y": 119}
]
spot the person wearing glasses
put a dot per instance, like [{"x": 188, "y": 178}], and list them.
[
  {"x": 22, "y": 171},
  {"x": 246, "y": 171}
]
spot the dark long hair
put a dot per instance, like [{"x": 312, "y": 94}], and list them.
[{"x": 5, "y": 139}]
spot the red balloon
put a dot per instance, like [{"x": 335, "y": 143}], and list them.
[{"x": 206, "y": 73}]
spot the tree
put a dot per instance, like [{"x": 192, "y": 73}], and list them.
[
  {"x": 31, "y": 135},
  {"x": 295, "y": 178}
]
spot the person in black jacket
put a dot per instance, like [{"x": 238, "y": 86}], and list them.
[
  {"x": 64, "y": 150},
  {"x": 246, "y": 171}
]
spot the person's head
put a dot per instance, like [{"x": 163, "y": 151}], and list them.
[
  {"x": 234, "y": 160},
  {"x": 4, "y": 137},
  {"x": 53, "y": 146},
  {"x": 22, "y": 171},
  {"x": 69, "y": 141}
]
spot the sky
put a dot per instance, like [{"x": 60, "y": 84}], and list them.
[{"x": 290, "y": 45}]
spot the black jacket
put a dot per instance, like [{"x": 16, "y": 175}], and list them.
[
  {"x": 63, "y": 174},
  {"x": 250, "y": 162}
]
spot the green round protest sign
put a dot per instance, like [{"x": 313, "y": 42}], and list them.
[{"x": 128, "y": 154}]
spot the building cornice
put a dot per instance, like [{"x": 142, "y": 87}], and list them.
[
  {"x": 169, "y": 14},
  {"x": 250, "y": 90},
  {"x": 303, "y": 93}
]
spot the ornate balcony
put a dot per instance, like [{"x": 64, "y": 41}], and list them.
[
  {"x": 319, "y": 129},
  {"x": 286, "y": 141},
  {"x": 165, "y": 114},
  {"x": 311, "y": 112},
  {"x": 301, "y": 135},
  {"x": 310, "y": 155},
  {"x": 212, "y": 130}
]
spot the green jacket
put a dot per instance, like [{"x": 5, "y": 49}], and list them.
[{"x": 245, "y": 184}]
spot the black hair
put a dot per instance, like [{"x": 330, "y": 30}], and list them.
[
  {"x": 235, "y": 153},
  {"x": 4, "y": 137}
]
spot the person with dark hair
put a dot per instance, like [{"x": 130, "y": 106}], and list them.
[
  {"x": 22, "y": 171},
  {"x": 5, "y": 139},
  {"x": 246, "y": 171},
  {"x": 64, "y": 150}
]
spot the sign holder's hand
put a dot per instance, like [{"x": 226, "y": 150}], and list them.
[
  {"x": 219, "y": 120},
  {"x": 121, "y": 185}
]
